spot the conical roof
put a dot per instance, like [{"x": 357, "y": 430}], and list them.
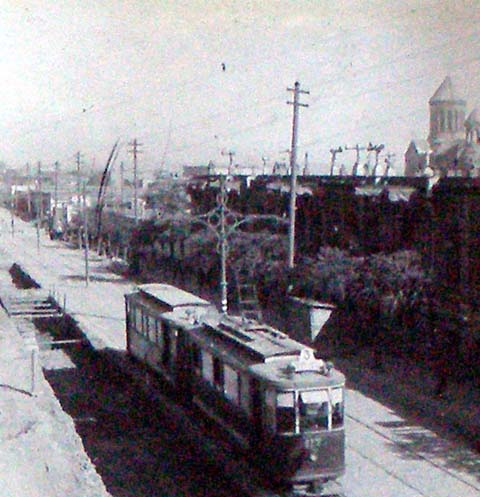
[
  {"x": 473, "y": 120},
  {"x": 446, "y": 93}
]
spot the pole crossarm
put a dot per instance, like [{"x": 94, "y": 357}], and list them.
[{"x": 232, "y": 221}]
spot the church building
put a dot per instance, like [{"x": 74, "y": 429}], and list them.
[{"x": 453, "y": 145}]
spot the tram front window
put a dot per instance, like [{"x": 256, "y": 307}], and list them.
[
  {"x": 285, "y": 412},
  {"x": 314, "y": 410},
  {"x": 337, "y": 407}
]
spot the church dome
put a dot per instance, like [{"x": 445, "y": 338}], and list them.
[{"x": 473, "y": 120}]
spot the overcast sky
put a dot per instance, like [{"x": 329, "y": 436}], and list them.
[{"x": 78, "y": 75}]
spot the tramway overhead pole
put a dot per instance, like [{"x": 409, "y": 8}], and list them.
[
  {"x": 293, "y": 170},
  {"x": 223, "y": 222}
]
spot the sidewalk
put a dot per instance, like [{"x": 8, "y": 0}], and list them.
[
  {"x": 409, "y": 389},
  {"x": 41, "y": 455}
]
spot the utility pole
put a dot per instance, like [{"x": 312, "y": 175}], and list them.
[
  {"x": 55, "y": 199},
  {"x": 122, "y": 180},
  {"x": 13, "y": 206},
  {"x": 55, "y": 191},
  {"x": 334, "y": 152},
  {"x": 293, "y": 172},
  {"x": 389, "y": 159},
  {"x": 306, "y": 171},
  {"x": 39, "y": 202},
  {"x": 135, "y": 151},
  {"x": 264, "y": 169},
  {"x": 223, "y": 248},
  {"x": 357, "y": 148},
  {"x": 79, "y": 193},
  {"x": 377, "y": 149},
  {"x": 85, "y": 232},
  {"x": 230, "y": 154}
]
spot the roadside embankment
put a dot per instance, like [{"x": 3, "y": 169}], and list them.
[{"x": 41, "y": 454}]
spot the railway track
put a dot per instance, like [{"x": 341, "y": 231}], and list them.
[{"x": 117, "y": 376}]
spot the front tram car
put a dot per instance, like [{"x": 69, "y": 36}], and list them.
[
  {"x": 271, "y": 393},
  {"x": 278, "y": 401}
]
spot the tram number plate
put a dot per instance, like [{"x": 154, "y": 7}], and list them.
[{"x": 314, "y": 444}]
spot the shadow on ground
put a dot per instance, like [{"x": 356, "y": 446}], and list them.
[
  {"x": 95, "y": 277},
  {"x": 414, "y": 442}
]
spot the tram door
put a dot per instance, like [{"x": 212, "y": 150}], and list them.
[
  {"x": 167, "y": 345},
  {"x": 184, "y": 366},
  {"x": 257, "y": 410}
]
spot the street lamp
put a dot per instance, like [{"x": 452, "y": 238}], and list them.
[{"x": 223, "y": 222}]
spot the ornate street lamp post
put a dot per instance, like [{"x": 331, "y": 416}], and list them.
[{"x": 223, "y": 222}]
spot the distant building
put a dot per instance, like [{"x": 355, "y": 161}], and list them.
[
  {"x": 416, "y": 158},
  {"x": 453, "y": 147},
  {"x": 192, "y": 171}
]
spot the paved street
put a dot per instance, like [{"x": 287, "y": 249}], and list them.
[{"x": 386, "y": 454}]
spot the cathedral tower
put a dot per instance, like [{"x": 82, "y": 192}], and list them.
[{"x": 447, "y": 116}]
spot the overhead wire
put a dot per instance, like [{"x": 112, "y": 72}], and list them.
[{"x": 194, "y": 83}]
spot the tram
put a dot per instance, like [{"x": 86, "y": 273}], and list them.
[{"x": 279, "y": 402}]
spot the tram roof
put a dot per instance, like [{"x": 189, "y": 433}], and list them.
[
  {"x": 171, "y": 295},
  {"x": 299, "y": 374},
  {"x": 267, "y": 353},
  {"x": 260, "y": 341}
]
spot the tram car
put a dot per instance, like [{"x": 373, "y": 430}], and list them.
[{"x": 283, "y": 405}]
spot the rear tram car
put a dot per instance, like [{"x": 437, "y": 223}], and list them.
[{"x": 272, "y": 395}]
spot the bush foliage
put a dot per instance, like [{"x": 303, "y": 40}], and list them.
[{"x": 385, "y": 301}]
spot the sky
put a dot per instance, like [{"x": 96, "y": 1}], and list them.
[{"x": 194, "y": 80}]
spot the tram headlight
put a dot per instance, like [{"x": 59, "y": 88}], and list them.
[{"x": 313, "y": 456}]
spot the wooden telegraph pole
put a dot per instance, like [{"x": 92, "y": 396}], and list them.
[
  {"x": 135, "y": 151},
  {"x": 377, "y": 149},
  {"x": 122, "y": 180},
  {"x": 357, "y": 149},
  {"x": 85, "y": 232},
  {"x": 334, "y": 152},
  {"x": 293, "y": 170},
  {"x": 230, "y": 154},
  {"x": 79, "y": 193},
  {"x": 39, "y": 202}
]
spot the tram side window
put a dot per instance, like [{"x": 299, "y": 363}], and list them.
[
  {"x": 207, "y": 366},
  {"x": 158, "y": 332},
  {"x": 151, "y": 328},
  {"x": 285, "y": 412},
  {"x": 131, "y": 314},
  {"x": 145, "y": 323},
  {"x": 231, "y": 384},
  {"x": 167, "y": 343},
  {"x": 138, "y": 319},
  {"x": 337, "y": 407},
  {"x": 314, "y": 410},
  {"x": 196, "y": 359},
  {"x": 269, "y": 409},
  {"x": 244, "y": 389},
  {"x": 218, "y": 374}
]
